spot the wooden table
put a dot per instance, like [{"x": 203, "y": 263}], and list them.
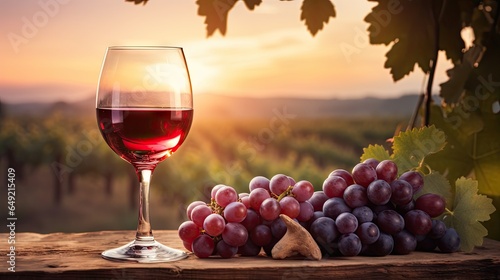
[{"x": 77, "y": 256}]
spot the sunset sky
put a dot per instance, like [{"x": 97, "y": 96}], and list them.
[{"x": 266, "y": 52}]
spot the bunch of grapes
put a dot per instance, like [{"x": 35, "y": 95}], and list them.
[{"x": 368, "y": 211}]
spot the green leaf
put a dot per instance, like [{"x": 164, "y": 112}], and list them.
[
  {"x": 411, "y": 147},
  {"x": 435, "y": 182},
  {"x": 216, "y": 12},
  {"x": 411, "y": 26},
  {"x": 316, "y": 13},
  {"x": 469, "y": 209},
  {"x": 377, "y": 152}
]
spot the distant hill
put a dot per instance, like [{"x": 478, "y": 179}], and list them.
[{"x": 220, "y": 106}]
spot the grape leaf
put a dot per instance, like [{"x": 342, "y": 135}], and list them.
[
  {"x": 410, "y": 25},
  {"x": 411, "y": 147},
  {"x": 435, "y": 182},
  {"x": 377, "y": 152},
  {"x": 216, "y": 12},
  {"x": 469, "y": 209},
  {"x": 251, "y": 4},
  {"x": 137, "y": 2},
  {"x": 316, "y": 13}
]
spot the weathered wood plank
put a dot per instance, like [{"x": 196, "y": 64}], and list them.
[{"x": 77, "y": 256}]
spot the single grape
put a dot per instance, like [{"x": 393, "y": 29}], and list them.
[
  {"x": 214, "y": 224},
  {"x": 235, "y": 212},
  {"x": 246, "y": 201},
  {"x": 403, "y": 209},
  {"x": 188, "y": 245},
  {"x": 306, "y": 211},
  {"x": 225, "y": 195},
  {"x": 235, "y": 234},
  {"x": 334, "y": 186},
  {"x": 430, "y": 203},
  {"x": 324, "y": 231},
  {"x": 269, "y": 209},
  {"x": 278, "y": 228},
  {"x": 418, "y": 222},
  {"x": 372, "y": 162},
  {"x": 379, "y": 192},
  {"x": 252, "y": 220},
  {"x": 335, "y": 206},
  {"x": 382, "y": 247},
  {"x": 317, "y": 200},
  {"x": 249, "y": 249},
  {"x": 346, "y": 223},
  {"x": 261, "y": 235},
  {"x": 368, "y": 233},
  {"x": 215, "y": 189},
  {"x": 191, "y": 206},
  {"x": 402, "y": 192},
  {"x": 225, "y": 250},
  {"x": 302, "y": 190},
  {"x": 290, "y": 207},
  {"x": 355, "y": 196},
  {"x": 387, "y": 170},
  {"x": 450, "y": 242},
  {"x": 279, "y": 183},
  {"x": 256, "y": 197},
  {"x": 438, "y": 229},
  {"x": 404, "y": 243},
  {"x": 414, "y": 178},
  {"x": 259, "y": 182},
  {"x": 269, "y": 247},
  {"x": 389, "y": 221},
  {"x": 203, "y": 246},
  {"x": 346, "y": 175},
  {"x": 349, "y": 245},
  {"x": 363, "y": 214},
  {"x": 363, "y": 174},
  {"x": 315, "y": 216},
  {"x": 188, "y": 231},
  {"x": 199, "y": 214}
]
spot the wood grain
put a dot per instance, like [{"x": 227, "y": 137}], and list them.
[{"x": 77, "y": 256}]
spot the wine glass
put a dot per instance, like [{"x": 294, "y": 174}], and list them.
[{"x": 144, "y": 108}]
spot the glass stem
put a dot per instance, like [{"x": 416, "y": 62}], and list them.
[{"x": 144, "y": 232}]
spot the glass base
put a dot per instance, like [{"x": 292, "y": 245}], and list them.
[{"x": 144, "y": 252}]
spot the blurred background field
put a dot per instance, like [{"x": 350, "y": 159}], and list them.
[{"x": 69, "y": 180}]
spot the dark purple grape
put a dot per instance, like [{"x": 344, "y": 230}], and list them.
[
  {"x": 418, "y": 222},
  {"x": 363, "y": 174},
  {"x": 269, "y": 247},
  {"x": 382, "y": 247},
  {"x": 334, "y": 186},
  {"x": 324, "y": 231},
  {"x": 349, "y": 245},
  {"x": 379, "y": 192},
  {"x": 450, "y": 242},
  {"x": 438, "y": 229},
  {"x": 333, "y": 207},
  {"x": 225, "y": 250},
  {"x": 306, "y": 211},
  {"x": 315, "y": 216},
  {"x": 372, "y": 162},
  {"x": 368, "y": 233},
  {"x": 427, "y": 244},
  {"x": 387, "y": 170},
  {"x": 261, "y": 235},
  {"x": 403, "y": 209},
  {"x": 259, "y": 182},
  {"x": 346, "y": 175},
  {"x": 235, "y": 234},
  {"x": 317, "y": 200},
  {"x": 363, "y": 214},
  {"x": 355, "y": 196},
  {"x": 252, "y": 220},
  {"x": 389, "y": 221},
  {"x": 278, "y": 228},
  {"x": 249, "y": 249},
  {"x": 404, "y": 243},
  {"x": 430, "y": 203},
  {"x": 402, "y": 192},
  {"x": 414, "y": 178},
  {"x": 346, "y": 223}
]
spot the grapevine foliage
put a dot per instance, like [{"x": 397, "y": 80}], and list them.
[
  {"x": 316, "y": 13},
  {"x": 466, "y": 208}
]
